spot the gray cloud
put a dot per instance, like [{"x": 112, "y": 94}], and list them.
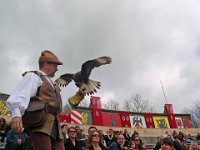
[{"x": 146, "y": 39}]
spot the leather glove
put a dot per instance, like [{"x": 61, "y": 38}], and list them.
[{"x": 77, "y": 98}]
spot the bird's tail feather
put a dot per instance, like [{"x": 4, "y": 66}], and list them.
[{"x": 91, "y": 87}]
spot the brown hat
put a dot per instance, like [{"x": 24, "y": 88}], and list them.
[{"x": 48, "y": 56}]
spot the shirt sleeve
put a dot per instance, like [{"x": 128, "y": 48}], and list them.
[{"x": 20, "y": 97}]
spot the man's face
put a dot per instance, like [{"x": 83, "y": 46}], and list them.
[
  {"x": 120, "y": 139},
  {"x": 51, "y": 68}
]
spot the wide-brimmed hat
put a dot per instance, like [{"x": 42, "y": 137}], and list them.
[{"x": 48, "y": 56}]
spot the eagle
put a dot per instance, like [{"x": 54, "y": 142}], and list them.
[{"x": 81, "y": 78}]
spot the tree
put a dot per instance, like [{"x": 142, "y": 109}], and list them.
[
  {"x": 194, "y": 110},
  {"x": 85, "y": 103},
  {"x": 111, "y": 105},
  {"x": 137, "y": 104}
]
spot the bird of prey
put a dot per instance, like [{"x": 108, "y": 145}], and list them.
[{"x": 81, "y": 78}]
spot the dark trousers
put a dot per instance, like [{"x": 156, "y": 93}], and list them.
[{"x": 43, "y": 141}]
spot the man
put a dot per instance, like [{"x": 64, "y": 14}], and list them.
[
  {"x": 109, "y": 136},
  {"x": 38, "y": 85},
  {"x": 119, "y": 144}
]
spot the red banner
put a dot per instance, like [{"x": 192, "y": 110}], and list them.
[
  {"x": 111, "y": 119},
  {"x": 149, "y": 120},
  {"x": 172, "y": 121},
  {"x": 65, "y": 118},
  {"x": 96, "y": 103},
  {"x": 169, "y": 109},
  {"x": 186, "y": 122},
  {"x": 96, "y": 111},
  {"x": 125, "y": 119}
]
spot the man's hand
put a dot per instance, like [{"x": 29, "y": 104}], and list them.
[{"x": 16, "y": 124}]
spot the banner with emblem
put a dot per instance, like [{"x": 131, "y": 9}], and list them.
[
  {"x": 111, "y": 119},
  {"x": 96, "y": 110},
  {"x": 87, "y": 117},
  {"x": 125, "y": 119},
  {"x": 186, "y": 122},
  {"x": 149, "y": 120},
  {"x": 76, "y": 117},
  {"x": 169, "y": 109},
  {"x": 179, "y": 122},
  {"x": 138, "y": 121},
  {"x": 161, "y": 122},
  {"x": 65, "y": 118}
]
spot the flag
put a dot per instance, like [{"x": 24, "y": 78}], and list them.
[
  {"x": 111, "y": 119},
  {"x": 179, "y": 122},
  {"x": 172, "y": 121},
  {"x": 76, "y": 117},
  {"x": 186, "y": 122},
  {"x": 125, "y": 119},
  {"x": 149, "y": 120},
  {"x": 169, "y": 109},
  {"x": 65, "y": 118},
  {"x": 161, "y": 122},
  {"x": 87, "y": 117},
  {"x": 138, "y": 121},
  {"x": 96, "y": 111}
]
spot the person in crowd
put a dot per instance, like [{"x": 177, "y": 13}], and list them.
[
  {"x": 138, "y": 143},
  {"x": 94, "y": 142},
  {"x": 38, "y": 85},
  {"x": 189, "y": 138},
  {"x": 3, "y": 127},
  {"x": 166, "y": 144},
  {"x": 80, "y": 134},
  {"x": 17, "y": 141},
  {"x": 131, "y": 145},
  {"x": 135, "y": 133},
  {"x": 177, "y": 143},
  {"x": 114, "y": 139},
  {"x": 102, "y": 137},
  {"x": 193, "y": 146},
  {"x": 72, "y": 143},
  {"x": 91, "y": 130},
  {"x": 127, "y": 137},
  {"x": 158, "y": 144},
  {"x": 198, "y": 136},
  {"x": 119, "y": 144},
  {"x": 109, "y": 136},
  {"x": 64, "y": 129}
]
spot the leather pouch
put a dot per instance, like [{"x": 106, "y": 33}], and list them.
[{"x": 35, "y": 115}]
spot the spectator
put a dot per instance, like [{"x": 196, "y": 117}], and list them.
[
  {"x": 109, "y": 136},
  {"x": 138, "y": 143},
  {"x": 64, "y": 129},
  {"x": 72, "y": 143},
  {"x": 119, "y": 144},
  {"x": 166, "y": 144},
  {"x": 194, "y": 146},
  {"x": 198, "y": 137},
  {"x": 127, "y": 137},
  {"x": 135, "y": 133},
  {"x": 3, "y": 127},
  {"x": 131, "y": 145},
  {"x": 94, "y": 142},
  {"x": 17, "y": 141},
  {"x": 114, "y": 139}
]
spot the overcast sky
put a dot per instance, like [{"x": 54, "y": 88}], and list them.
[{"x": 146, "y": 39}]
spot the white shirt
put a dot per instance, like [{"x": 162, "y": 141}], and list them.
[{"x": 25, "y": 90}]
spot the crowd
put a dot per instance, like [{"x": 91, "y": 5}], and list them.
[{"x": 76, "y": 139}]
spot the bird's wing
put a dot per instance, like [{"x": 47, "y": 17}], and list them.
[
  {"x": 64, "y": 79},
  {"x": 90, "y": 64}
]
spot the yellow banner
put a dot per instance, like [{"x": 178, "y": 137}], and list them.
[{"x": 161, "y": 122}]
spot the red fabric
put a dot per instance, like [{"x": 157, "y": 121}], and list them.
[
  {"x": 110, "y": 119},
  {"x": 125, "y": 119},
  {"x": 96, "y": 103},
  {"x": 65, "y": 118},
  {"x": 186, "y": 122},
  {"x": 97, "y": 117},
  {"x": 96, "y": 111},
  {"x": 149, "y": 120},
  {"x": 172, "y": 121},
  {"x": 169, "y": 109}
]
